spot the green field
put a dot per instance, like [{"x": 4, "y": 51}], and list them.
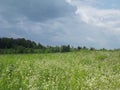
[{"x": 83, "y": 70}]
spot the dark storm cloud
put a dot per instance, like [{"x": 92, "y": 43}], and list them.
[{"x": 35, "y": 10}]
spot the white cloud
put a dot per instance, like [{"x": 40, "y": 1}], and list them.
[
  {"x": 82, "y": 2},
  {"x": 108, "y": 18},
  {"x": 105, "y": 18}
]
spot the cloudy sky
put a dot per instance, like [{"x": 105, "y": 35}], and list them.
[{"x": 91, "y": 23}]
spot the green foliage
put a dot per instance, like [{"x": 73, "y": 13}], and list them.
[
  {"x": 65, "y": 48},
  {"x": 84, "y": 70},
  {"x": 21, "y": 45},
  {"x": 79, "y": 48},
  {"x": 7, "y": 43},
  {"x": 92, "y": 48}
]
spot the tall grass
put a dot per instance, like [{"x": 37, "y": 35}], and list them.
[{"x": 84, "y": 70}]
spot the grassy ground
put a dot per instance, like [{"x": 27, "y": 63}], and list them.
[{"x": 84, "y": 70}]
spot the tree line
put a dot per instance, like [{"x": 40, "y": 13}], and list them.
[{"x": 21, "y": 45}]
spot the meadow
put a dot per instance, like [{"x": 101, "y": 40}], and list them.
[{"x": 80, "y": 70}]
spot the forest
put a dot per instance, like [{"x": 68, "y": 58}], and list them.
[{"x": 21, "y": 45}]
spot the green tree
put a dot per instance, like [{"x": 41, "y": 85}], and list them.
[{"x": 65, "y": 48}]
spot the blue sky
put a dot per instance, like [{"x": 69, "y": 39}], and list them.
[{"x": 91, "y": 23}]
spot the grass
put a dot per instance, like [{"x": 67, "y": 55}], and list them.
[{"x": 84, "y": 70}]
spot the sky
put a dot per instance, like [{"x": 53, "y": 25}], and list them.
[{"x": 91, "y": 23}]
